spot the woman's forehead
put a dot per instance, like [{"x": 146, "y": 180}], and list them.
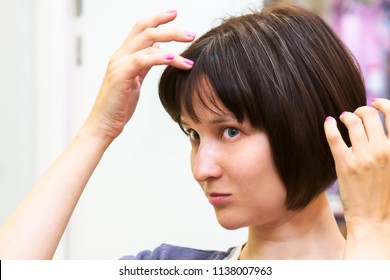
[
  {"x": 204, "y": 105},
  {"x": 200, "y": 97}
]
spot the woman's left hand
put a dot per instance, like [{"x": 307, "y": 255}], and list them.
[{"x": 363, "y": 172}]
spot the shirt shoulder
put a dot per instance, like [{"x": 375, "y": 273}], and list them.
[{"x": 172, "y": 252}]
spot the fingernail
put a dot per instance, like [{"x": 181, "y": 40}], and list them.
[
  {"x": 342, "y": 114},
  {"x": 190, "y": 34},
  {"x": 328, "y": 118},
  {"x": 189, "y": 62},
  {"x": 170, "y": 56},
  {"x": 373, "y": 100},
  {"x": 171, "y": 11}
]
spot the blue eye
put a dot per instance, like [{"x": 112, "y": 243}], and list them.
[
  {"x": 193, "y": 134},
  {"x": 230, "y": 132}
]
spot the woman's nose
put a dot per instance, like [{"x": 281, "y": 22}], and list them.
[{"x": 206, "y": 163}]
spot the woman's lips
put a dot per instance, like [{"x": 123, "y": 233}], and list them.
[{"x": 219, "y": 198}]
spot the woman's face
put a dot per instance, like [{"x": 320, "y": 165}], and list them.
[{"x": 233, "y": 164}]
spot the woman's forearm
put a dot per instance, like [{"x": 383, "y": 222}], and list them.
[{"x": 37, "y": 225}]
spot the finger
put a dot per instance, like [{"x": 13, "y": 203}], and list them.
[
  {"x": 383, "y": 105},
  {"x": 170, "y": 58},
  {"x": 150, "y": 36},
  {"x": 151, "y": 22},
  {"x": 182, "y": 63},
  {"x": 356, "y": 131},
  {"x": 140, "y": 63},
  {"x": 372, "y": 123},
  {"x": 336, "y": 142}
]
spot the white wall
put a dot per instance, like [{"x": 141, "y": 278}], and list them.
[
  {"x": 15, "y": 106},
  {"x": 142, "y": 193},
  {"x": 34, "y": 71}
]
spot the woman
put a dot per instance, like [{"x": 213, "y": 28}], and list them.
[{"x": 254, "y": 106}]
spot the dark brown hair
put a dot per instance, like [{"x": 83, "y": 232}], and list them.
[{"x": 284, "y": 70}]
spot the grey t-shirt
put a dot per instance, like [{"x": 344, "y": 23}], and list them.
[{"x": 172, "y": 252}]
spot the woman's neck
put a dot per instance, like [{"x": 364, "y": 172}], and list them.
[{"x": 311, "y": 233}]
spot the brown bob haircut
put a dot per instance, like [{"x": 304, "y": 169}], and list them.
[{"x": 284, "y": 70}]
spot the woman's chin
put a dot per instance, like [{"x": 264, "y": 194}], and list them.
[{"x": 230, "y": 224}]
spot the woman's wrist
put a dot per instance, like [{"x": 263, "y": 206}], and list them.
[
  {"x": 369, "y": 240},
  {"x": 98, "y": 136}
]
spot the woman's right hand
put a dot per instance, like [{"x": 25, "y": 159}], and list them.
[{"x": 127, "y": 68}]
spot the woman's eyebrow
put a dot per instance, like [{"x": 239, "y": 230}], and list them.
[
  {"x": 216, "y": 120},
  {"x": 222, "y": 119},
  {"x": 183, "y": 123}
]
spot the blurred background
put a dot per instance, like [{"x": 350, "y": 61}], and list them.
[{"x": 53, "y": 56}]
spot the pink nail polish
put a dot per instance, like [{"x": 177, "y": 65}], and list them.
[
  {"x": 170, "y": 56},
  {"x": 328, "y": 118},
  {"x": 171, "y": 11},
  {"x": 189, "y": 62},
  {"x": 190, "y": 34},
  {"x": 373, "y": 100}
]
